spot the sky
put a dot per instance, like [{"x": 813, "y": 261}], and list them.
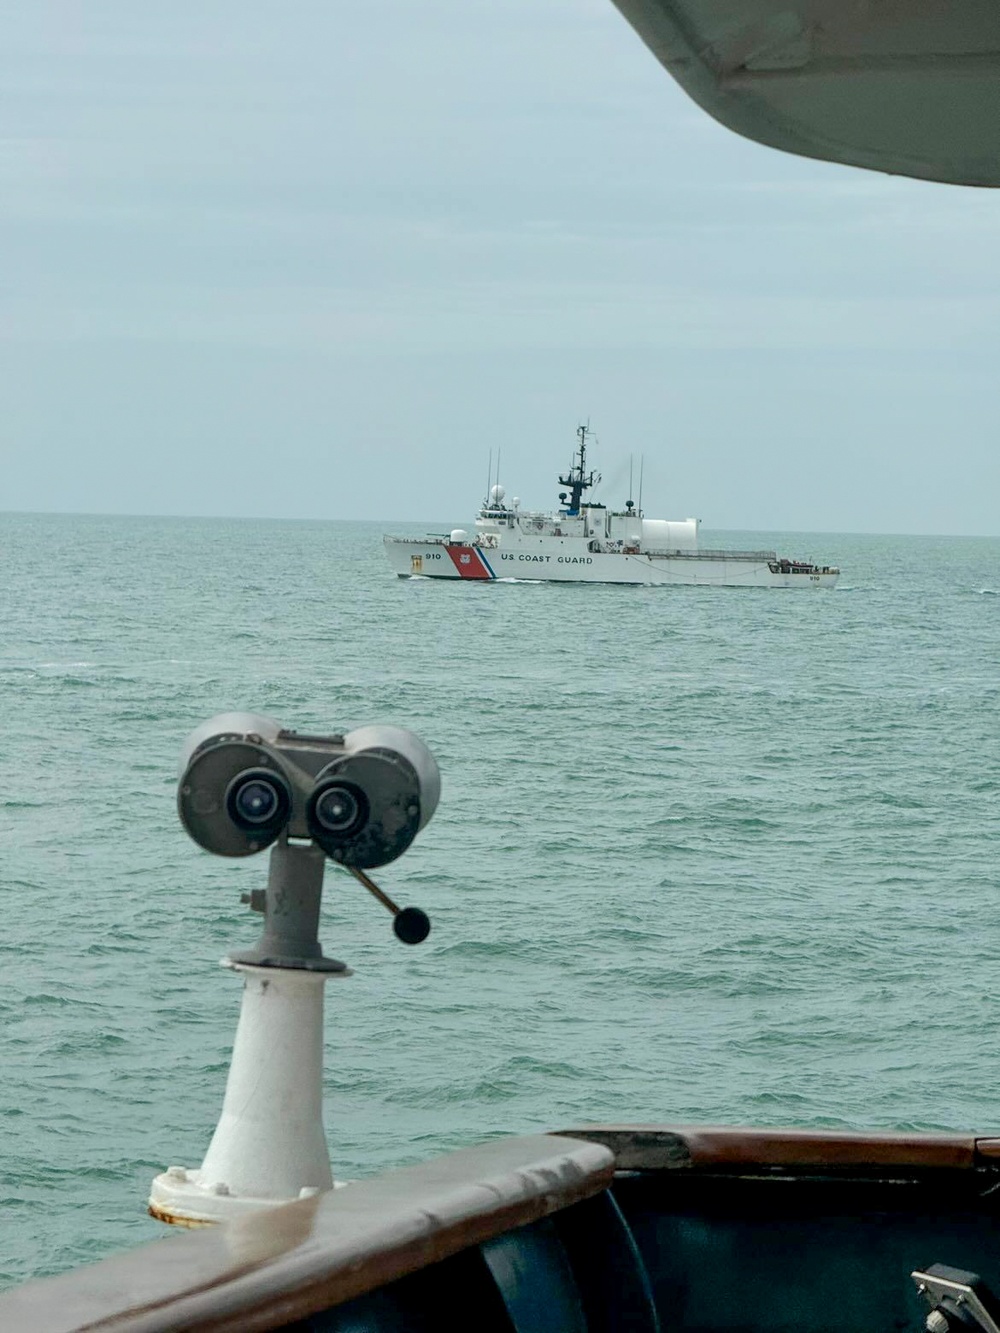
[{"x": 303, "y": 259}]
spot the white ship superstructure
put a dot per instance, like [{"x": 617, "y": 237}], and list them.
[{"x": 588, "y": 543}]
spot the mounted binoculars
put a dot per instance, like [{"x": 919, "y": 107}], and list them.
[{"x": 361, "y": 797}]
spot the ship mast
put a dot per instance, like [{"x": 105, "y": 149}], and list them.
[{"x": 578, "y": 479}]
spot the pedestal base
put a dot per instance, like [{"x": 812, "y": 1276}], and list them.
[{"x": 184, "y": 1199}]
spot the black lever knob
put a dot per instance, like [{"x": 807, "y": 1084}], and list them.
[{"x": 411, "y": 925}]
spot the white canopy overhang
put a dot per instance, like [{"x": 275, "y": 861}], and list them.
[{"x": 910, "y": 87}]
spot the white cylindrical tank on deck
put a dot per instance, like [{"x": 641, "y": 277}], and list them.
[
  {"x": 459, "y": 536},
  {"x": 660, "y": 534}
]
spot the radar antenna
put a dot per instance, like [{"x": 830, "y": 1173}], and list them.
[{"x": 578, "y": 479}]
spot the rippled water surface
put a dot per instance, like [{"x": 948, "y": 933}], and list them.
[{"x": 720, "y": 855}]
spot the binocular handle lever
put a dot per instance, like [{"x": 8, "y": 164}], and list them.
[{"x": 410, "y": 924}]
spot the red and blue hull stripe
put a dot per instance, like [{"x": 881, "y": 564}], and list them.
[{"x": 470, "y": 562}]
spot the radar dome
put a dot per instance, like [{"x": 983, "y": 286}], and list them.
[
  {"x": 459, "y": 536},
  {"x": 497, "y": 494}
]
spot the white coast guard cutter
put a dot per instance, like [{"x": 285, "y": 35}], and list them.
[{"x": 589, "y": 543}]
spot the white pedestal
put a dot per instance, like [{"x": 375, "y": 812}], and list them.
[{"x": 269, "y": 1146}]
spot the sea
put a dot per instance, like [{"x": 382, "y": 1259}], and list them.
[{"x": 707, "y": 855}]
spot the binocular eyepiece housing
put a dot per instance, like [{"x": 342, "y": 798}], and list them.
[{"x": 361, "y": 797}]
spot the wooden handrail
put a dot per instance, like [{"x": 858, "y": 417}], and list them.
[
  {"x": 723, "y": 1148},
  {"x": 279, "y": 1265}
]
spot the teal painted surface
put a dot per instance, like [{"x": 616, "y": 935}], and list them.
[{"x": 718, "y": 855}]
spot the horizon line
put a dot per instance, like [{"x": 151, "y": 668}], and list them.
[{"x": 269, "y": 518}]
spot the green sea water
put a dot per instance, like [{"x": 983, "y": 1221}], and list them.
[{"x": 722, "y": 855}]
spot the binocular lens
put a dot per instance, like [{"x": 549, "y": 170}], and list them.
[
  {"x": 256, "y": 800},
  {"x": 340, "y": 808}
]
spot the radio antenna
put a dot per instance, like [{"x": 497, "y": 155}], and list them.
[{"x": 642, "y": 461}]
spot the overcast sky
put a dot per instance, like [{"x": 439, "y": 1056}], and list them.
[{"x": 316, "y": 258}]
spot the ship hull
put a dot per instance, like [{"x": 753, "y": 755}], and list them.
[{"x": 716, "y": 569}]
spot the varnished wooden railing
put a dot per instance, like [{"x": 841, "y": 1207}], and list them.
[
  {"x": 728, "y": 1148},
  {"x": 273, "y": 1268}
]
